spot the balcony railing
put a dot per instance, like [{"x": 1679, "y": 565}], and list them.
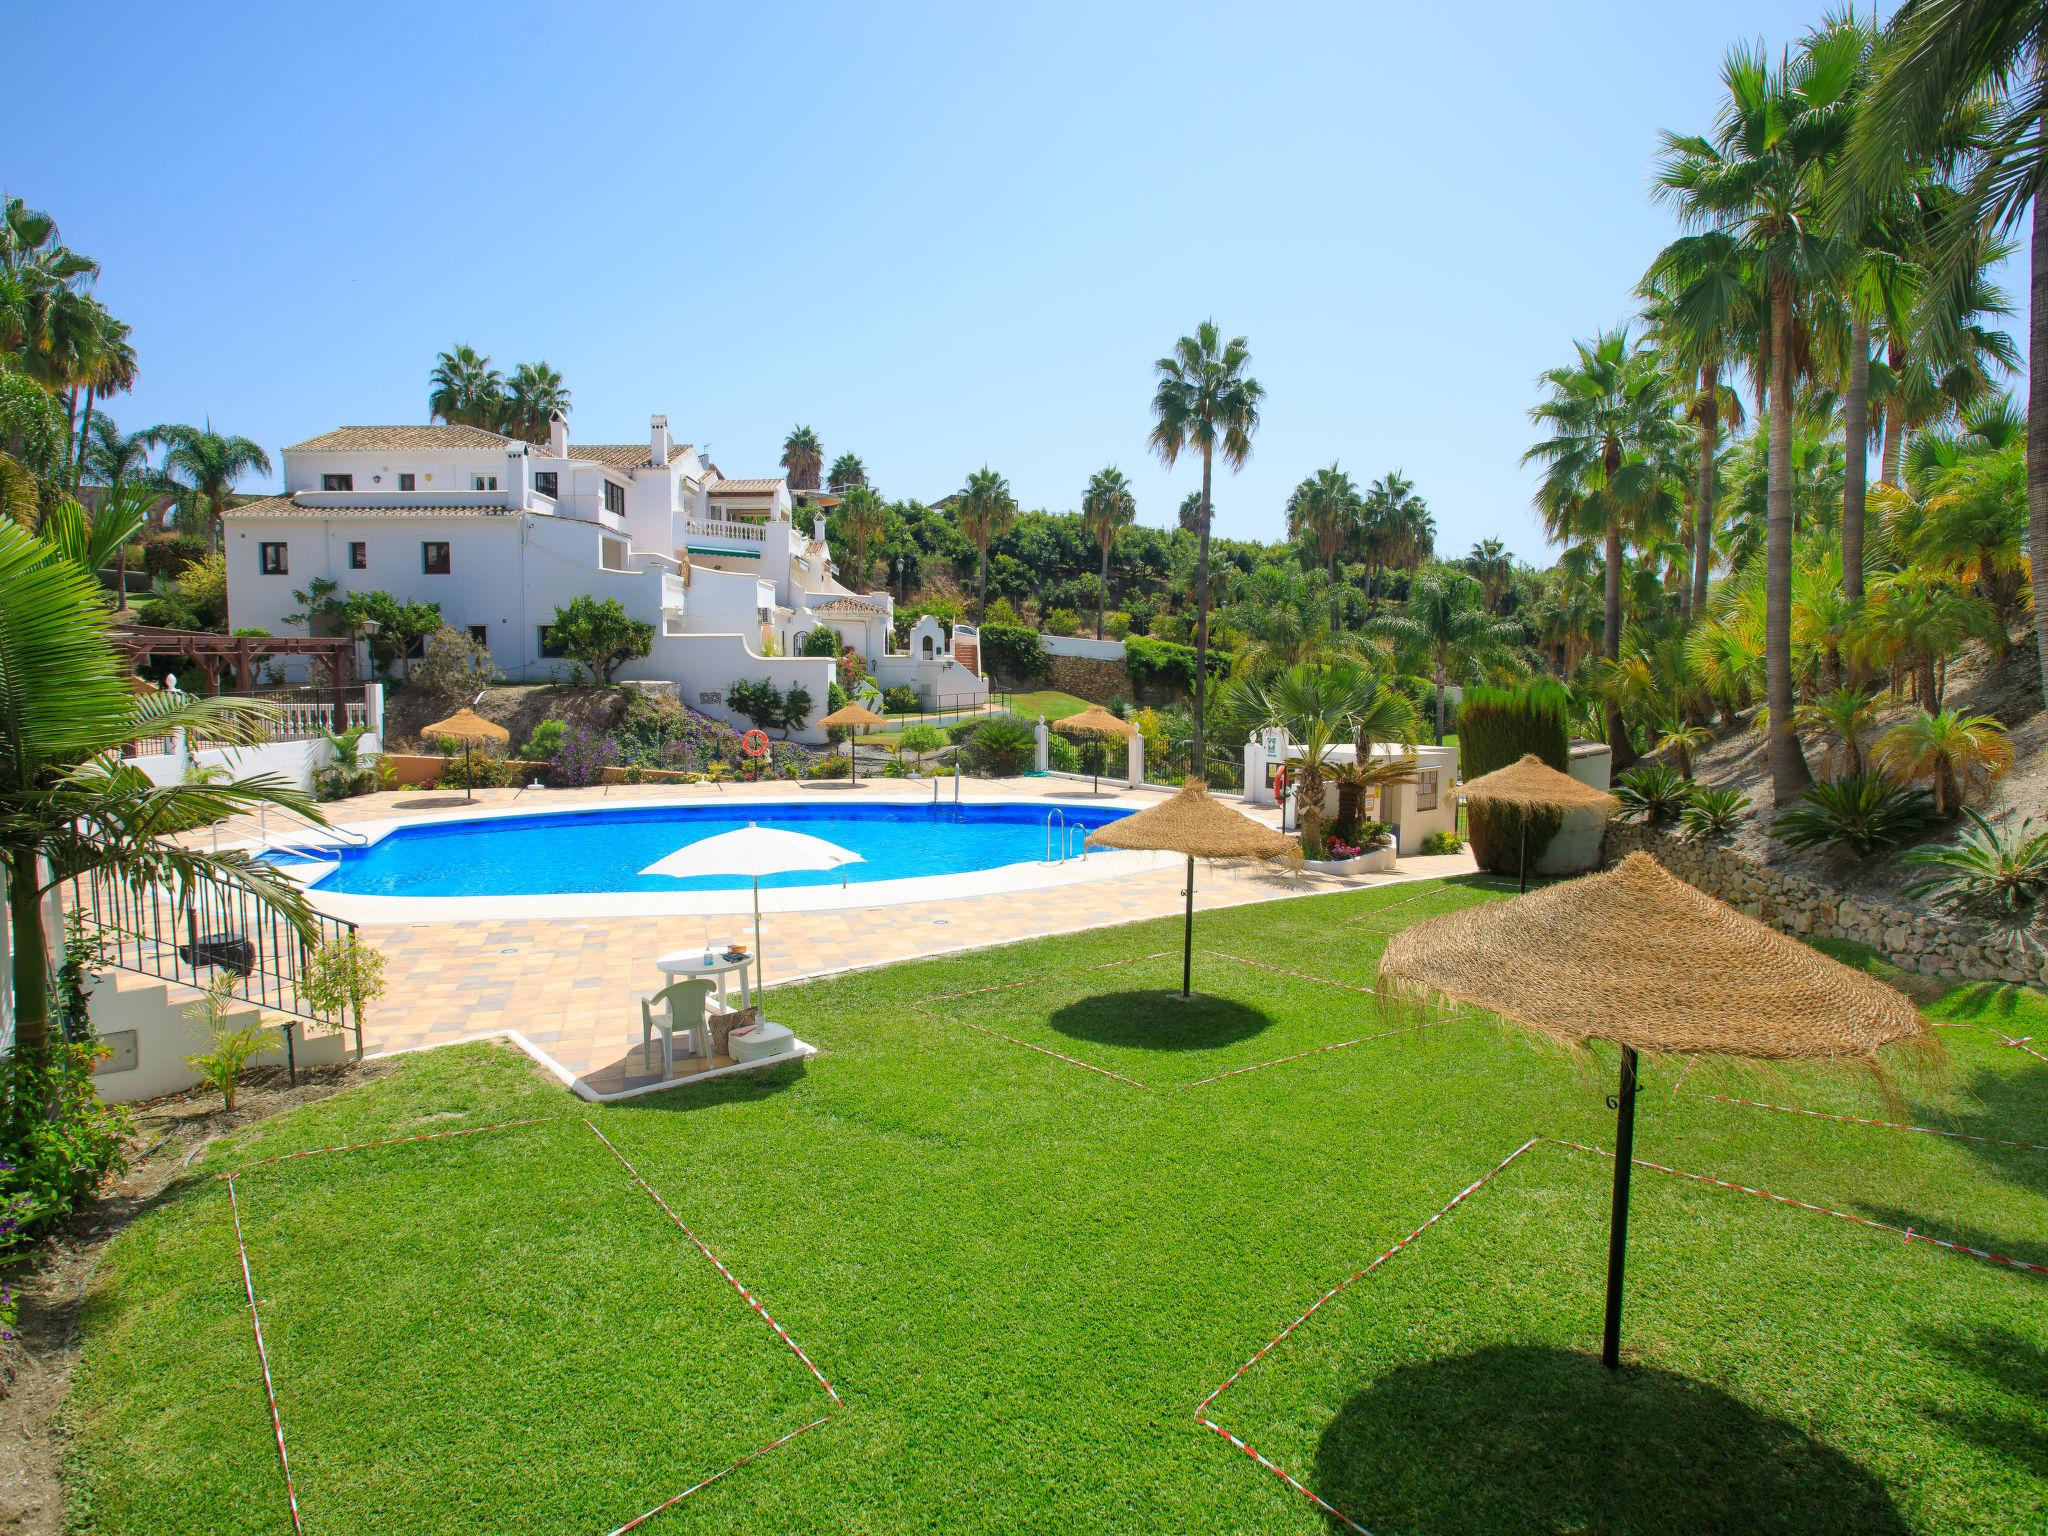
[{"x": 739, "y": 533}]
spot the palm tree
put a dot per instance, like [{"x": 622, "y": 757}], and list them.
[
  {"x": 465, "y": 390},
  {"x": 1953, "y": 752},
  {"x": 1326, "y": 510},
  {"x": 1492, "y": 569},
  {"x": 1609, "y": 420},
  {"x": 203, "y": 466},
  {"x": 1190, "y": 515},
  {"x": 847, "y": 472},
  {"x": 865, "y": 514},
  {"x": 802, "y": 458},
  {"x": 1760, "y": 181},
  {"x": 1315, "y": 705},
  {"x": 532, "y": 400},
  {"x": 1395, "y": 530},
  {"x": 105, "y": 365},
  {"x": 1205, "y": 401},
  {"x": 1107, "y": 508},
  {"x": 1281, "y": 616},
  {"x": 1446, "y": 623},
  {"x": 987, "y": 511},
  {"x": 117, "y": 460},
  {"x": 67, "y": 803},
  {"x": 1843, "y": 719}
]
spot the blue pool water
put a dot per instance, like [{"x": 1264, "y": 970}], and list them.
[{"x": 605, "y": 850}]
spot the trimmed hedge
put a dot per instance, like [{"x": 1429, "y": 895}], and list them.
[
  {"x": 1497, "y": 726},
  {"x": 1012, "y": 653}
]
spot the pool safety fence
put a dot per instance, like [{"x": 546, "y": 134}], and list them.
[
  {"x": 1204, "y": 1417},
  {"x": 263, "y": 1353}
]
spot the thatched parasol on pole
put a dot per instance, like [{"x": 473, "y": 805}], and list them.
[
  {"x": 469, "y": 728},
  {"x": 1194, "y": 824},
  {"x": 1097, "y": 724},
  {"x": 1637, "y": 957},
  {"x": 1530, "y": 784},
  {"x": 850, "y": 717}
]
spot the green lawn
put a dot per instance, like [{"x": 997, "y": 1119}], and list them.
[{"x": 1022, "y": 1276}]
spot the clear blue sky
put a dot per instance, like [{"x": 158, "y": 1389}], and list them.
[{"x": 940, "y": 235}]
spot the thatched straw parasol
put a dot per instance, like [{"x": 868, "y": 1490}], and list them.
[
  {"x": 1530, "y": 784},
  {"x": 1194, "y": 824},
  {"x": 469, "y": 728},
  {"x": 1637, "y": 957},
  {"x": 1097, "y": 724},
  {"x": 849, "y": 717}
]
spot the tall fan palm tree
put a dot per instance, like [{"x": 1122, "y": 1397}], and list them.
[
  {"x": 1760, "y": 180},
  {"x": 1492, "y": 569},
  {"x": 1325, "y": 510},
  {"x": 1609, "y": 420},
  {"x": 865, "y": 515},
  {"x": 1395, "y": 530},
  {"x": 1205, "y": 402},
  {"x": 67, "y": 803},
  {"x": 1447, "y": 625},
  {"x": 1107, "y": 508},
  {"x": 203, "y": 466},
  {"x": 534, "y": 397},
  {"x": 847, "y": 472},
  {"x": 464, "y": 390},
  {"x": 803, "y": 458},
  {"x": 987, "y": 511}
]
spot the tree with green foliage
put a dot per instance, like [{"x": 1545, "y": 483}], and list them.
[
  {"x": 986, "y": 510},
  {"x": 202, "y": 466},
  {"x": 1107, "y": 508},
  {"x": 1447, "y": 626},
  {"x": 1326, "y": 511},
  {"x": 803, "y": 458},
  {"x": 599, "y": 633}
]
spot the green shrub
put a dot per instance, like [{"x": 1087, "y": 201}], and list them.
[
  {"x": 1442, "y": 842},
  {"x": 1653, "y": 794},
  {"x": 1711, "y": 814},
  {"x": 229, "y": 1049},
  {"x": 1012, "y": 654},
  {"x": 1860, "y": 811},
  {"x": 1001, "y": 747},
  {"x": 58, "y": 1141},
  {"x": 2001, "y": 873},
  {"x": 837, "y": 766},
  {"x": 477, "y": 769},
  {"x": 919, "y": 740},
  {"x": 1063, "y": 621},
  {"x": 900, "y": 700},
  {"x": 1160, "y": 667},
  {"x": 822, "y": 641},
  {"x": 545, "y": 741},
  {"x": 1061, "y": 756},
  {"x": 1496, "y": 727}
]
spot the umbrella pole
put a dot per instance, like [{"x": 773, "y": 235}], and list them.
[
  {"x": 468, "y": 777},
  {"x": 1617, "y": 1229},
  {"x": 759, "y": 958},
  {"x": 1525, "y": 851},
  {"x": 1187, "y": 942}
]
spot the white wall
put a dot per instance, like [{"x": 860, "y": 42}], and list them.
[
  {"x": 704, "y": 666},
  {"x": 1089, "y": 648},
  {"x": 153, "y": 1011},
  {"x": 293, "y": 761}
]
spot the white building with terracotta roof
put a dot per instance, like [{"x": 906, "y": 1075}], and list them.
[{"x": 499, "y": 533}]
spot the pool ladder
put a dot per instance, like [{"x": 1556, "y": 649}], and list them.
[{"x": 1063, "y": 838}]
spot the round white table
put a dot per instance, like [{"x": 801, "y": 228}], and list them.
[{"x": 681, "y": 964}]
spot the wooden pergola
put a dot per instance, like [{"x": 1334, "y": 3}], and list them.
[{"x": 238, "y": 654}]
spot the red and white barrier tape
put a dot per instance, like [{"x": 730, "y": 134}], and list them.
[
  {"x": 698, "y": 1487},
  {"x": 2024, "y": 1043},
  {"x": 1279, "y": 1061},
  {"x": 1889, "y": 1125},
  {"x": 1907, "y": 1233},
  {"x": 360, "y": 1146},
  {"x": 291, "y": 1493},
  {"x": 730, "y": 1278}
]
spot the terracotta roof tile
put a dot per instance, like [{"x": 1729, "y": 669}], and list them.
[
  {"x": 285, "y": 506},
  {"x": 742, "y": 487},
  {"x": 437, "y": 435}
]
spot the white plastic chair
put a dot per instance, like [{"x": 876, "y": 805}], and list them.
[{"x": 678, "y": 1006}]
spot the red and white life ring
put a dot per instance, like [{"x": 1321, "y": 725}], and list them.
[
  {"x": 1280, "y": 783},
  {"x": 755, "y": 743}
]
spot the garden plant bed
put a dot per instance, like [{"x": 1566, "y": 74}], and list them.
[{"x": 1022, "y": 1276}]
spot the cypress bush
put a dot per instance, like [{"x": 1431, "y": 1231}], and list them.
[{"x": 1496, "y": 726}]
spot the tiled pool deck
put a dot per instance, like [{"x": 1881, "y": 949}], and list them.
[{"x": 567, "y": 986}]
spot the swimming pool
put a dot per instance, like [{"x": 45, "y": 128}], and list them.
[{"x": 564, "y": 853}]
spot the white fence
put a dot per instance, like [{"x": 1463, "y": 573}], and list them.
[{"x": 1085, "y": 649}]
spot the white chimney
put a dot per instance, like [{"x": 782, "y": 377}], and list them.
[
  {"x": 518, "y": 479},
  {"x": 558, "y": 436},
  {"x": 818, "y": 526},
  {"x": 657, "y": 442}
]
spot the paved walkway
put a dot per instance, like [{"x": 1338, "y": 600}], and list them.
[{"x": 567, "y": 986}]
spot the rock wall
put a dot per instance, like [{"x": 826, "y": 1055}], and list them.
[
  {"x": 1922, "y": 940},
  {"x": 1088, "y": 678}
]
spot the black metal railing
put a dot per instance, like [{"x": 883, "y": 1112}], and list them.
[
  {"x": 950, "y": 710},
  {"x": 193, "y": 933}
]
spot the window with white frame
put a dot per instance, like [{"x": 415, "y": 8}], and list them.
[
  {"x": 337, "y": 482},
  {"x": 483, "y": 482}
]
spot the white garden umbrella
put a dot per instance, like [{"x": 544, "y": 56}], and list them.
[{"x": 753, "y": 850}]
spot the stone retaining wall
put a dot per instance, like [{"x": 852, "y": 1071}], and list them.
[
  {"x": 1088, "y": 678},
  {"x": 1919, "y": 940}
]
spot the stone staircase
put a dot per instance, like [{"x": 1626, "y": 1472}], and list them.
[{"x": 142, "y": 1018}]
